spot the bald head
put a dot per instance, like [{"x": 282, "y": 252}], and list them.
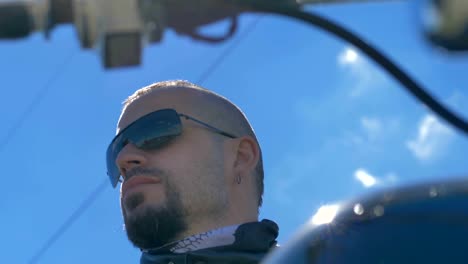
[{"x": 198, "y": 102}]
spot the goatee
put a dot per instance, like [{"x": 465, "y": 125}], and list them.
[{"x": 154, "y": 226}]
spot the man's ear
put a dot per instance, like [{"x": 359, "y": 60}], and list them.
[{"x": 247, "y": 156}]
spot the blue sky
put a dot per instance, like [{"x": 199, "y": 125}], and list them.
[{"x": 331, "y": 123}]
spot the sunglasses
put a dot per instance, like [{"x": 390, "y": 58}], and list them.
[{"x": 150, "y": 132}]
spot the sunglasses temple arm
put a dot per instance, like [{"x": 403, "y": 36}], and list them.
[{"x": 208, "y": 126}]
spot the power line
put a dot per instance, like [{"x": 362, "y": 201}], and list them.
[
  {"x": 35, "y": 102},
  {"x": 228, "y": 51},
  {"x": 100, "y": 188},
  {"x": 70, "y": 220}
]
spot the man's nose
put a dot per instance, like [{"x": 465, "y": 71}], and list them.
[{"x": 129, "y": 157}]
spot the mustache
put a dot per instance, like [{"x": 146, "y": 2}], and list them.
[{"x": 152, "y": 172}]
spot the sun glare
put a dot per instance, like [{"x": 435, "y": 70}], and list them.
[
  {"x": 348, "y": 56},
  {"x": 325, "y": 214},
  {"x": 351, "y": 55}
]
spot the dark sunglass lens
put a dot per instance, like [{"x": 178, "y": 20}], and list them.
[
  {"x": 156, "y": 143},
  {"x": 111, "y": 155},
  {"x": 114, "y": 175},
  {"x": 152, "y": 131},
  {"x": 156, "y": 132}
]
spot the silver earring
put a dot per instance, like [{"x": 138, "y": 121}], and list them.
[{"x": 238, "y": 179}]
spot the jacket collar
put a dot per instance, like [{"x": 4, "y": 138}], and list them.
[
  {"x": 252, "y": 237},
  {"x": 256, "y": 236},
  {"x": 212, "y": 238}
]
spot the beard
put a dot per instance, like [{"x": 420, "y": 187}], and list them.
[{"x": 154, "y": 226}]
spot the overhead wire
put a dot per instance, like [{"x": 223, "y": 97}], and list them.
[
  {"x": 217, "y": 62},
  {"x": 69, "y": 221},
  {"x": 41, "y": 94},
  {"x": 89, "y": 200},
  {"x": 38, "y": 98}
]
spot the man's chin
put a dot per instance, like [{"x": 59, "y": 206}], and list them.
[
  {"x": 151, "y": 227},
  {"x": 151, "y": 220}
]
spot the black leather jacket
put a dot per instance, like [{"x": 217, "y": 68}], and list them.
[{"x": 252, "y": 241}]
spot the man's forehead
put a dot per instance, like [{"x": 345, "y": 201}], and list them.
[{"x": 183, "y": 100}]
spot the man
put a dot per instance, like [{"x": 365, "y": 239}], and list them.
[{"x": 192, "y": 177}]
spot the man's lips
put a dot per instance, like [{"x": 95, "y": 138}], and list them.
[{"x": 136, "y": 181}]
